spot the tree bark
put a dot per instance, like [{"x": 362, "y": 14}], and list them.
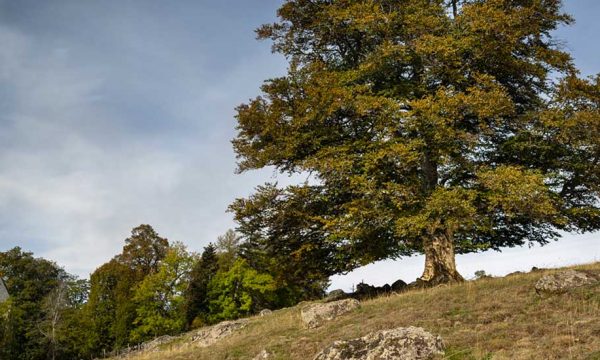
[
  {"x": 454, "y": 9},
  {"x": 440, "y": 264}
]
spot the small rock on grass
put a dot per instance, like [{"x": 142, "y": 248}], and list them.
[
  {"x": 265, "y": 312},
  {"x": 263, "y": 355}
]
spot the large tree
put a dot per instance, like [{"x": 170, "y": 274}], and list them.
[
  {"x": 159, "y": 298},
  {"x": 112, "y": 287},
  {"x": 428, "y": 126},
  {"x": 144, "y": 249}
]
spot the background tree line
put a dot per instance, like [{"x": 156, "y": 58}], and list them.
[{"x": 152, "y": 288}]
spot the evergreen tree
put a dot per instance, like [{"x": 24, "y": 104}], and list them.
[
  {"x": 428, "y": 126},
  {"x": 196, "y": 296}
]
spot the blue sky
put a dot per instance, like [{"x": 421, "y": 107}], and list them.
[{"x": 120, "y": 112}]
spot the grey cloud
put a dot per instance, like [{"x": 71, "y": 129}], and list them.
[
  {"x": 92, "y": 146},
  {"x": 116, "y": 113}
]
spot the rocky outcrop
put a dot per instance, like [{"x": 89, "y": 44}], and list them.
[
  {"x": 398, "y": 286},
  {"x": 202, "y": 337},
  {"x": 336, "y": 295},
  {"x": 265, "y": 312},
  {"x": 155, "y": 345},
  {"x": 207, "y": 336},
  {"x": 366, "y": 291},
  {"x": 562, "y": 281},
  {"x": 410, "y": 343},
  {"x": 314, "y": 315}
]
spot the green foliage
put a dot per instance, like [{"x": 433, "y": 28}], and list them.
[
  {"x": 144, "y": 249},
  {"x": 110, "y": 305},
  {"x": 59, "y": 307},
  {"x": 196, "y": 295},
  {"x": 159, "y": 297},
  {"x": 74, "y": 334},
  {"x": 227, "y": 247},
  {"x": 300, "y": 261},
  {"x": 238, "y": 292},
  {"x": 423, "y": 129},
  {"x": 148, "y": 290},
  {"x": 112, "y": 288},
  {"x": 28, "y": 280},
  {"x": 480, "y": 274},
  {"x": 35, "y": 321}
]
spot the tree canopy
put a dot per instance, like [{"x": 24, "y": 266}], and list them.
[
  {"x": 427, "y": 126},
  {"x": 35, "y": 321},
  {"x": 159, "y": 298},
  {"x": 151, "y": 288}
]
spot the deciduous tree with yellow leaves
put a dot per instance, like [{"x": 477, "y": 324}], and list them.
[{"x": 428, "y": 126}]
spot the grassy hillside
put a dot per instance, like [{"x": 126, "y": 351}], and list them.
[{"x": 498, "y": 318}]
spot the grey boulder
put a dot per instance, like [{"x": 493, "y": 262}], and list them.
[
  {"x": 265, "y": 312},
  {"x": 562, "y": 281},
  {"x": 411, "y": 343},
  {"x": 314, "y": 315},
  {"x": 336, "y": 295},
  {"x": 209, "y": 335}
]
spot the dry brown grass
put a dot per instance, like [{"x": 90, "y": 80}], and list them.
[{"x": 499, "y": 318}]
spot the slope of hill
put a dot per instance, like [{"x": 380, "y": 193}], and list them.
[{"x": 493, "y": 318}]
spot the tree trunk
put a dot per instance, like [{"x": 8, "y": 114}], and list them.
[
  {"x": 440, "y": 267},
  {"x": 440, "y": 264},
  {"x": 454, "y": 9}
]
